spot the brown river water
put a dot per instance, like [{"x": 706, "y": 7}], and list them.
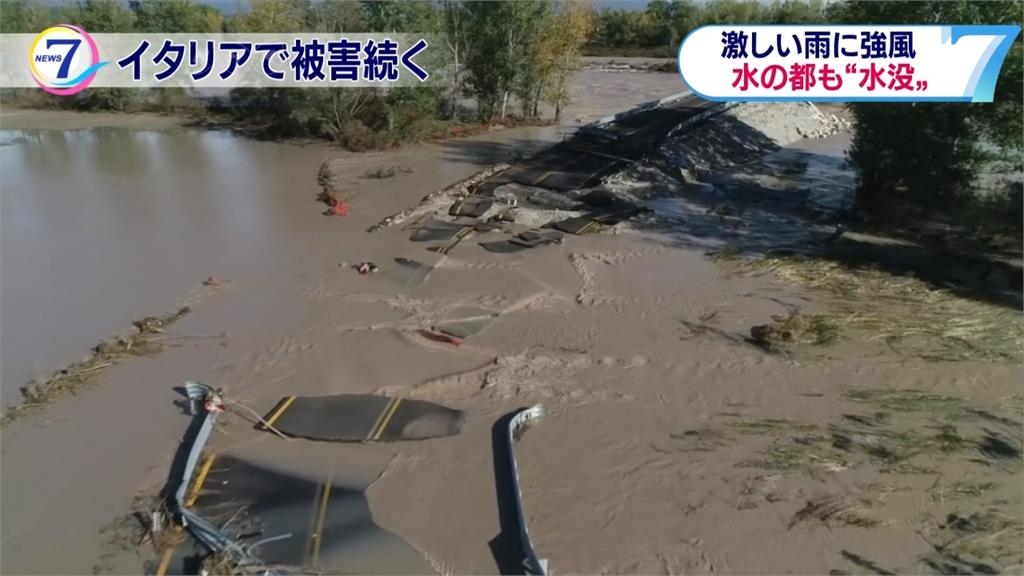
[{"x": 103, "y": 225}]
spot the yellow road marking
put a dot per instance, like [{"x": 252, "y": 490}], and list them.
[
  {"x": 193, "y": 495},
  {"x": 586, "y": 227},
  {"x": 165, "y": 562},
  {"x": 198, "y": 485},
  {"x": 383, "y": 413},
  {"x": 312, "y": 524},
  {"x": 320, "y": 521},
  {"x": 543, "y": 176},
  {"x": 280, "y": 410},
  {"x": 387, "y": 418},
  {"x": 459, "y": 236}
]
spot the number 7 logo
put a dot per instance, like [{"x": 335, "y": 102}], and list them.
[{"x": 65, "y": 62}]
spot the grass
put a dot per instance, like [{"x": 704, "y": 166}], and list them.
[
  {"x": 835, "y": 510},
  {"x": 795, "y": 329},
  {"x": 895, "y": 309},
  {"x": 794, "y": 454},
  {"x": 968, "y": 544},
  {"x": 728, "y": 253},
  {"x": 389, "y": 172},
  {"x": 701, "y": 439},
  {"x": 908, "y": 400},
  {"x": 960, "y": 490},
  {"x": 770, "y": 425},
  {"x": 80, "y": 375}
]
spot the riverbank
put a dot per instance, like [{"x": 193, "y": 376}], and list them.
[{"x": 13, "y": 118}]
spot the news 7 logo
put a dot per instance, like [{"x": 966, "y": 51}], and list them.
[{"x": 65, "y": 59}]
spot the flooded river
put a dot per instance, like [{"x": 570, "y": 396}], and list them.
[
  {"x": 107, "y": 218},
  {"x": 102, "y": 226},
  {"x": 106, "y": 225}
]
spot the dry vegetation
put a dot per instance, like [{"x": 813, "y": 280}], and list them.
[
  {"x": 79, "y": 375},
  {"x": 878, "y": 306},
  {"x": 889, "y": 438}
]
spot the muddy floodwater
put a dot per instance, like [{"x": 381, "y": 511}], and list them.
[
  {"x": 108, "y": 218},
  {"x": 107, "y": 225},
  {"x": 103, "y": 226}
]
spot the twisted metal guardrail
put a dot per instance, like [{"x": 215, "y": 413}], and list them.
[
  {"x": 516, "y": 427},
  {"x": 207, "y": 403}
]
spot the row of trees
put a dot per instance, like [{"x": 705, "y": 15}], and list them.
[{"x": 507, "y": 57}]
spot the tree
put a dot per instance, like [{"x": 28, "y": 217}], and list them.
[
  {"x": 100, "y": 16},
  {"x": 417, "y": 16},
  {"x": 927, "y": 149},
  {"x": 501, "y": 59},
  {"x": 563, "y": 45},
  {"x": 453, "y": 18},
  {"x": 338, "y": 17},
  {"x": 274, "y": 16},
  {"x": 19, "y": 16},
  {"x": 175, "y": 16}
]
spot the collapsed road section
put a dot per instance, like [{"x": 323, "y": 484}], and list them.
[
  {"x": 268, "y": 517},
  {"x": 558, "y": 179}
]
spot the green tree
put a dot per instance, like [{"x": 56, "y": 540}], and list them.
[
  {"x": 501, "y": 61},
  {"x": 175, "y": 16},
  {"x": 20, "y": 16},
  {"x": 796, "y": 12},
  {"x": 100, "y": 16},
  {"x": 274, "y": 16},
  {"x": 932, "y": 150},
  {"x": 338, "y": 17},
  {"x": 453, "y": 31},
  {"x": 413, "y": 16},
  {"x": 562, "y": 45}
]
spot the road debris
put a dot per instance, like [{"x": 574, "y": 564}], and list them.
[
  {"x": 441, "y": 337},
  {"x": 462, "y": 329},
  {"x": 409, "y": 272},
  {"x": 524, "y": 240},
  {"x": 517, "y": 426},
  {"x": 206, "y": 404},
  {"x": 366, "y": 268},
  {"x": 471, "y": 206},
  {"x": 336, "y": 208},
  {"x": 362, "y": 418}
]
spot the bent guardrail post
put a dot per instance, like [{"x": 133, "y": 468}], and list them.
[
  {"x": 516, "y": 426},
  {"x": 206, "y": 402}
]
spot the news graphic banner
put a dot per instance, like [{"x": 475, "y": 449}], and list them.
[
  {"x": 67, "y": 59},
  {"x": 941, "y": 63}
]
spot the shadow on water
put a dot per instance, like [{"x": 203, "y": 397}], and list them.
[{"x": 506, "y": 547}]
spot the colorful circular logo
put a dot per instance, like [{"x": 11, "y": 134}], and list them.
[{"x": 64, "y": 59}]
